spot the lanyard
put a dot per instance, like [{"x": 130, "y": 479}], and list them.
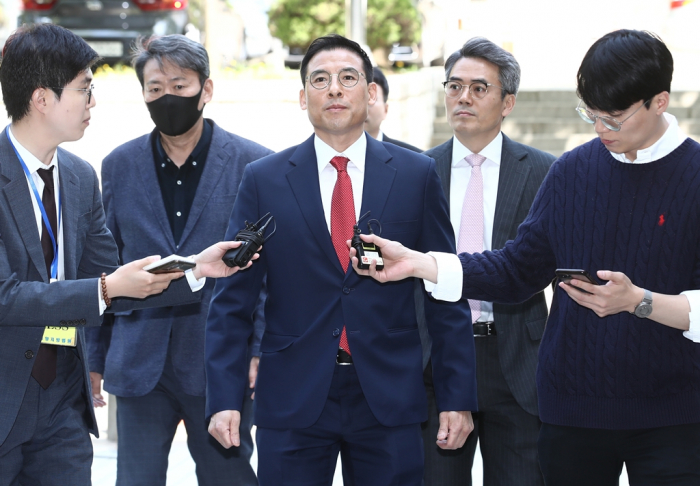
[{"x": 44, "y": 216}]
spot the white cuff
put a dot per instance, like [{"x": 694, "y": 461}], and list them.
[
  {"x": 449, "y": 277},
  {"x": 693, "y": 332},
  {"x": 195, "y": 285},
  {"x": 103, "y": 306}
]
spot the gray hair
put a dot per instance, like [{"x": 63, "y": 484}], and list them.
[
  {"x": 480, "y": 47},
  {"x": 176, "y": 49}
]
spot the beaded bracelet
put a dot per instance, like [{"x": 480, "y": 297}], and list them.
[{"x": 107, "y": 300}]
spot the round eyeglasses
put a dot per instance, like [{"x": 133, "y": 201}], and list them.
[
  {"x": 608, "y": 122},
  {"x": 477, "y": 89},
  {"x": 87, "y": 91},
  {"x": 348, "y": 77}
]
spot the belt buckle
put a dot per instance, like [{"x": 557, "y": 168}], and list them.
[{"x": 342, "y": 363}]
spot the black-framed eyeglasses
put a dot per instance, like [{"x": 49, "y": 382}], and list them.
[
  {"x": 477, "y": 89},
  {"x": 608, "y": 122},
  {"x": 87, "y": 91},
  {"x": 348, "y": 77}
]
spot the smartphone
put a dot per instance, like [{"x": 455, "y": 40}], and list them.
[
  {"x": 567, "y": 274},
  {"x": 172, "y": 263}
]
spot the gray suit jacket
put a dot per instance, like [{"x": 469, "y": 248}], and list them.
[
  {"x": 133, "y": 360},
  {"x": 27, "y": 302},
  {"x": 520, "y": 327}
]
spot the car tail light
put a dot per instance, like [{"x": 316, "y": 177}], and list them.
[
  {"x": 159, "y": 4},
  {"x": 38, "y": 4}
]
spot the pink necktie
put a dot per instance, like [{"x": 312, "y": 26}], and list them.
[
  {"x": 342, "y": 222},
  {"x": 471, "y": 229}
]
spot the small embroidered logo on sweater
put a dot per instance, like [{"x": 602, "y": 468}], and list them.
[{"x": 662, "y": 220}]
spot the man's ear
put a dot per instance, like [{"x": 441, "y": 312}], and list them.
[
  {"x": 207, "y": 92},
  {"x": 508, "y": 105},
  {"x": 302, "y": 99},
  {"x": 659, "y": 103},
  {"x": 372, "y": 89},
  {"x": 41, "y": 99}
]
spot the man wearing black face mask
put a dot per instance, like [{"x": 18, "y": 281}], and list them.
[{"x": 170, "y": 191}]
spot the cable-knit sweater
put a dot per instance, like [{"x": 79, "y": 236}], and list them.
[{"x": 596, "y": 213}]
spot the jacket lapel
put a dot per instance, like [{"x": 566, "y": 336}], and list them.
[
  {"x": 443, "y": 164},
  {"x": 19, "y": 201},
  {"x": 379, "y": 178},
  {"x": 512, "y": 179},
  {"x": 303, "y": 179},
  {"x": 217, "y": 159},
  {"x": 151, "y": 190}
]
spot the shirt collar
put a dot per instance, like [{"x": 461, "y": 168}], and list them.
[
  {"x": 380, "y": 136},
  {"x": 669, "y": 141},
  {"x": 204, "y": 141},
  {"x": 355, "y": 152},
  {"x": 492, "y": 151},
  {"x": 32, "y": 163}
]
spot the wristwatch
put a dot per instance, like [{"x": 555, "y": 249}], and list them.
[{"x": 643, "y": 309}]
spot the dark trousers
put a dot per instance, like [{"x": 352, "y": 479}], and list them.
[
  {"x": 573, "y": 456},
  {"x": 49, "y": 442},
  {"x": 147, "y": 425},
  {"x": 506, "y": 433},
  {"x": 372, "y": 454}
]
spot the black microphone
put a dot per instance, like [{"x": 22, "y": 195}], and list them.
[{"x": 251, "y": 238}]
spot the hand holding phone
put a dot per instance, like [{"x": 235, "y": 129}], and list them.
[{"x": 568, "y": 274}]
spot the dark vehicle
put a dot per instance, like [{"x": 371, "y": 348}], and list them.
[{"x": 110, "y": 26}]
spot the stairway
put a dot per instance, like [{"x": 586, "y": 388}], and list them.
[{"x": 547, "y": 120}]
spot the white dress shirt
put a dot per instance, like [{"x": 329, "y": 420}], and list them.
[
  {"x": 328, "y": 175},
  {"x": 450, "y": 277}
]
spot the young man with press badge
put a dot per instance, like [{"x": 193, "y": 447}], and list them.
[{"x": 59, "y": 262}]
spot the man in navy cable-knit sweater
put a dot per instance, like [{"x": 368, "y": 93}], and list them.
[{"x": 616, "y": 389}]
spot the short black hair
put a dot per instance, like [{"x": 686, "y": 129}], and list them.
[
  {"x": 40, "y": 56},
  {"x": 331, "y": 42},
  {"x": 177, "y": 49},
  {"x": 381, "y": 81},
  {"x": 622, "y": 68}
]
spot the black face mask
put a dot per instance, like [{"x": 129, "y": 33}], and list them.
[{"x": 174, "y": 115}]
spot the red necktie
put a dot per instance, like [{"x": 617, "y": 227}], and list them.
[{"x": 342, "y": 222}]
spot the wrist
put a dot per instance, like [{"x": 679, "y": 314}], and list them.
[
  {"x": 637, "y": 297},
  {"x": 424, "y": 266}
]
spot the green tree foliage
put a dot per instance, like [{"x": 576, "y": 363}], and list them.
[{"x": 298, "y": 22}]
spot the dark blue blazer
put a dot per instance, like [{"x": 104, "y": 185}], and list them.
[
  {"x": 310, "y": 298},
  {"x": 27, "y": 301},
  {"x": 136, "y": 215}
]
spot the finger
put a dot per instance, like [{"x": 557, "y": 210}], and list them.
[
  {"x": 227, "y": 245},
  {"x": 615, "y": 277},
  {"x": 580, "y": 284},
  {"x": 443, "y": 430},
  {"x": 145, "y": 261},
  {"x": 234, "y": 430},
  {"x": 605, "y": 274},
  {"x": 219, "y": 430},
  {"x": 372, "y": 238}
]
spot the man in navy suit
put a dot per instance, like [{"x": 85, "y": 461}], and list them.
[
  {"x": 58, "y": 261},
  {"x": 170, "y": 191},
  {"x": 340, "y": 367}
]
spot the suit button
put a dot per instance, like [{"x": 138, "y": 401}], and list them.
[
  {"x": 29, "y": 354},
  {"x": 336, "y": 333},
  {"x": 346, "y": 290},
  {"x": 82, "y": 321},
  {"x": 62, "y": 323}
]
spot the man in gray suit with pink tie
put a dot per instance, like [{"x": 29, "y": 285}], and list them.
[{"x": 490, "y": 182}]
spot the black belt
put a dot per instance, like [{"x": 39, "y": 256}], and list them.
[
  {"x": 343, "y": 357},
  {"x": 483, "y": 329}
]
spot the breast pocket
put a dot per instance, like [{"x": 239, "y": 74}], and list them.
[{"x": 399, "y": 227}]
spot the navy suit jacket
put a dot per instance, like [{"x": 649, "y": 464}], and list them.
[
  {"x": 520, "y": 326},
  {"x": 135, "y": 355},
  {"x": 310, "y": 298},
  {"x": 27, "y": 302}
]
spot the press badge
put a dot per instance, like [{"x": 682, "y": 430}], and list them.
[{"x": 59, "y": 336}]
